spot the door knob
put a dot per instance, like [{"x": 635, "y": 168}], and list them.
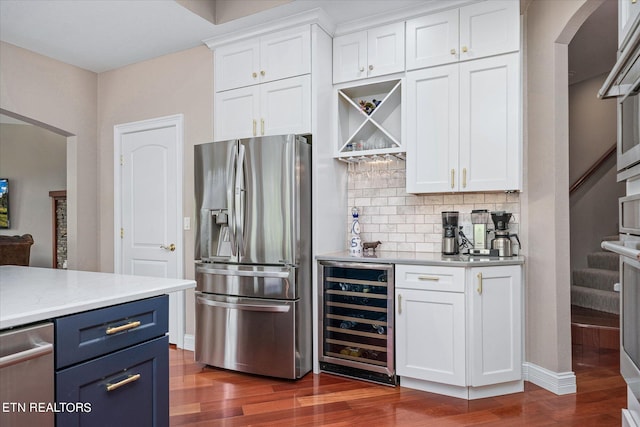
[{"x": 171, "y": 247}]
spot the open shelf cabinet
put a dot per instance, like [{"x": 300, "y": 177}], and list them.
[{"x": 372, "y": 132}]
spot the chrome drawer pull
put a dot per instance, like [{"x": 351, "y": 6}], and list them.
[
  {"x": 430, "y": 278},
  {"x": 129, "y": 379},
  {"x": 130, "y": 325}
]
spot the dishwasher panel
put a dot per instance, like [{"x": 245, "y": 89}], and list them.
[{"x": 26, "y": 375}]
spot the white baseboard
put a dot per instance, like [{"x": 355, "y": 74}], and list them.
[
  {"x": 556, "y": 382},
  {"x": 189, "y": 342}
]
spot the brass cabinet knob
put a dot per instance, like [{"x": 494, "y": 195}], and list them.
[
  {"x": 254, "y": 74},
  {"x": 362, "y": 69},
  {"x": 262, "y": 73},
  {"x": 453, "y": 51},
  {"x": 464, "y": 49},
  {"x": 370, "y": 67}
]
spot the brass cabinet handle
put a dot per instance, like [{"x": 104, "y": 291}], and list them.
[
  {"x": 129, "y": 379},
  {"x": 430, "y": 278},
  {"x": 261, "y": 126},
  {"x": 479, "y": 284},
  {"x": 171, "y": 247},
  {"x": 453, "y": 51},
  {"x": 116, "y": 329},
  {"x": 254, "y": 127},
  {"x": 254, "y": 74},
  {"x": 262, "y": 73},
  {"x": 464, "y": 49},
  {"x": 399, "y": 304},
  {"x": 464, "y": 178},
  {"x": 453, "y": 178}
]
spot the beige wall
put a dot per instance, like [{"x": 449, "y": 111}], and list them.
[
  {"x": 228, "y": 10},
  {"x": 63, "y": 97},
  {"x": 180, "y": 83},
  {"x": 549, "y": 26},
  {"x": 34, "y": 159}
]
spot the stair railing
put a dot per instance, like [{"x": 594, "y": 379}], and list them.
[{"x": 596, "y": 165}]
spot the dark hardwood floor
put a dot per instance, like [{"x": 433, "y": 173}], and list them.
[{"x": 203, "y": 396}]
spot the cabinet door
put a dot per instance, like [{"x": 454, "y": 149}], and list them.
[
  {"x": 432, "y": 40},
  {"x": 236, "y": 65},
  {"x": 285, "y": 106},
  {"x": 127, "y": 388},
  {"x": 627, "y": 12},
  {"x": 489, "y": 28},
  {"x": 285, "y": 54},
  {"x": 236, "y": 113},
  {"x": 349, "y": 57},
  {"x": 495, "y": 325},
  {"x": 385, "y": 50},
  {"x": 432, "y": 129},
  {"x": 490, "y": 124},
  {"x": 430, "y": 336}
]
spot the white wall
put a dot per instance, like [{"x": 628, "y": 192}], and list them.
[{"x": 34, "y": 160}]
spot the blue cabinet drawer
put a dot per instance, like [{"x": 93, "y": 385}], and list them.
[
  {"x": 127, "y": 388},
  {"x": 84, "y": 336}
]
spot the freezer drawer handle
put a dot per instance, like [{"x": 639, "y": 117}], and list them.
[
  {"x": 129, "y": 379},
  {"x": 223, "y": 272},
  {"x": 23, "y": 356},
  {"x": 125, "y": 327},
  {"x": 248, "y": 307}
]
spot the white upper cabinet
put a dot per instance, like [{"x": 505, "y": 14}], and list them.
[
  {"x": 627, "y": 12},
  {"x": 271, "y": 57},
  {"x": 376, "y": 52},
  {"x": 471, "y": 32},
  {"x": 463, "y": 126},
  {"x": 274, "y": 108}
]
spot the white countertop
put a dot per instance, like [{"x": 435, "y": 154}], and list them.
[
  {"x": 30, "y": 294},
  {"x": 421, "y": 258}
]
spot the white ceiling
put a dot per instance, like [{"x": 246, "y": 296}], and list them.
[{"x": 100, "y": 35}]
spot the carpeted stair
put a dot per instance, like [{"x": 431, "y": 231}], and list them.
[{"x": 592, "y": 287}]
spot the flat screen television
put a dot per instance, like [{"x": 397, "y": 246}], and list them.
[{"x": 4, "y": 203}]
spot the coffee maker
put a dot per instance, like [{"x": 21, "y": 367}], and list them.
[
  {"x": 502, "y": 240},
  {"x": 450, "y": 244}
]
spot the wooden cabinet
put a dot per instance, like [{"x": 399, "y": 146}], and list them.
[
  {"x": 116, "y": 360},
  {"x": 375, "y": 52},
  {"x": 471, "y": 32},
  {"x": 275, "y": 108},
  {"x": 463, "y": 126},
  {"x": 459, "y": 330},
  {"x": 271, "y": 57}
]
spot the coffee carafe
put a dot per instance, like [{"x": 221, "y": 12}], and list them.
[
  {"x": 502, "y": 240},
  {"x": 450, "y": 232}
]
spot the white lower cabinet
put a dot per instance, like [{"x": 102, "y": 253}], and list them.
[{"x": 459, "y": 329}]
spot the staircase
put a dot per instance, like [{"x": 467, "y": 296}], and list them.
[{"x": 592, "y": 287}]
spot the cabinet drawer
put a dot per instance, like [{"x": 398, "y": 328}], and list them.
[
  {"x": 433, "y": 278},
  {"x": 127, "y": 388},
  {"x": 83, "y": 336}
]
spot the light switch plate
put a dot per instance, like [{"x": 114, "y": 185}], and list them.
[{"x": 186, "y": 223}]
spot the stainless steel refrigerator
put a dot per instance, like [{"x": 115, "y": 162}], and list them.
[{"x": 253, "y": 252}]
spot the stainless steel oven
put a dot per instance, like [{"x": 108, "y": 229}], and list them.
[{"x": 629, "y": 127}]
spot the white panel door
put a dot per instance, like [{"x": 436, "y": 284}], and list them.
[
  {"x": 236, "y": 113},
  {"x": 148, "y": 207},
  {"x": 489, "y": 28},
  {"x": 285, "y": 106},
  {"x": 285, "y": 54},
  {"x": 350, "y": 57},
  {"x": 430, "y": 336},
  {"x": 432, "y": 129},
  {"x": 236, "y": 65},
  {"x": 432, "y": 40},
  {"x": 495, "y": 325},
  {"x": 490, "y": 124},
  {"x": 385, "y": 49}
]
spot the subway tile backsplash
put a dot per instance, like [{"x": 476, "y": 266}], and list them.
[{"x": 413, "y": 222}]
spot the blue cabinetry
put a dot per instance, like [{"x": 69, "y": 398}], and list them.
[{"x": 114, "y": 362}]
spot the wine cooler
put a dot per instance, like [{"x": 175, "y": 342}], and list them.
[{"x": 356, "y": 318}]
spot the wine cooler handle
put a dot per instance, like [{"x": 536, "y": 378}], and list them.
[{"x": 399, "y": 304}]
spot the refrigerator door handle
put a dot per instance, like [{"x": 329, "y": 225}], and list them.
[
  {"x": 240, "y": 200},
  {"x": 271, "y": 308},
  {"x": 231, "y": 175},
  {"x": 244, "y": 273}
]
